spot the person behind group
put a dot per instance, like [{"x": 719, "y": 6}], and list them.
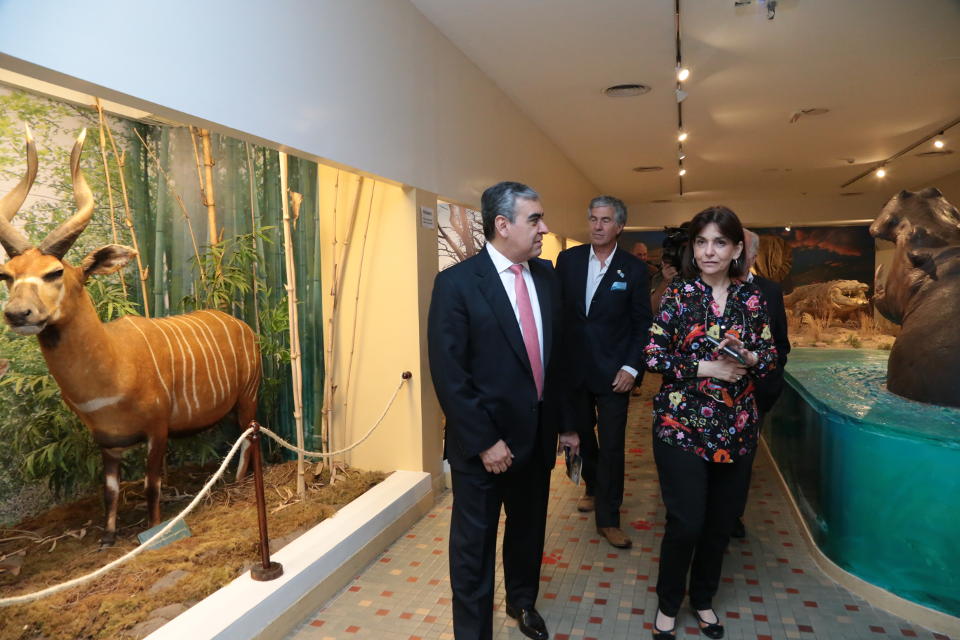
[
  {"x": 671, "y": 256},
  {"x": 606, "y": 313},
  {"x": 769, "y": 387},
  {"x": 705, "y": 421},
  {"x": 493, "y": 335}
]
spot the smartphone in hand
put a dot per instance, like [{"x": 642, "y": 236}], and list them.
[{"x": 730, "y": 351}]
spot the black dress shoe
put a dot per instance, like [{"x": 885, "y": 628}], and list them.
[
  {"x": 530, "y": 622},
  {"x": 739, "y": 531},
  {"x": 712, "y": 630}
]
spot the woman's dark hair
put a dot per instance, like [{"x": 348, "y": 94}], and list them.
[{"x": 729, "y": 225}]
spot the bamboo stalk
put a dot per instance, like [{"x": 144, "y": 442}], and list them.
[
  {"x": 295, "y": 364},
  {"x": 326, "y": 413},
  {"x": 208, "y": 193},
  {"x": 253, "y": 227},
  {"x": 106, "y": 174},
  {"x": 176, "y": 195},
  {"x": 142, "y": 273},
  {"x": 356, "y": 308}
]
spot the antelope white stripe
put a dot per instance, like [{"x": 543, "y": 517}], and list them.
[
  {"x": 217, "y": 355},
  {"x": 173, "y": 371},
  {"x": 229, "y": 337},
  {"x": 182, "y": 340},
  {"x": 97, "y": 403},
  {"x": 153, "y": 356},
  {"x": 203, "y": 342}
]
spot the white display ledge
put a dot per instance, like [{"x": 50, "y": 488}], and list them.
[{"x": 315, "y": 566}]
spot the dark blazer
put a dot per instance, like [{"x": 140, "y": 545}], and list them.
[
  {"x": 480, "y": 367},
  {"x": 769, "y": 387},
  {"x": 613, "y": 334}
]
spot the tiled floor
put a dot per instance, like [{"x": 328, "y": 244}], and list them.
[{"x": 771, "y": 589}]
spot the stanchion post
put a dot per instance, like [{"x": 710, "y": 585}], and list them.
[{"x": 266, "y": 570}]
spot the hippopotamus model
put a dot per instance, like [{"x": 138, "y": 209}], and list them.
[{"x": 922, "y": 293}]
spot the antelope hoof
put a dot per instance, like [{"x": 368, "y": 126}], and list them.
[{"x": 107, "y": 540}]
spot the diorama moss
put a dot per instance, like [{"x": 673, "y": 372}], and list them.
[{"x": 223, "y": 544}]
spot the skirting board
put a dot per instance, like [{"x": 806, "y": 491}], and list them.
[
  {"x": 315, "y": 566},
  {"x": 876, "y": 596}
]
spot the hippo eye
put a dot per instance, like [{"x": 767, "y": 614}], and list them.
[
  {"x": 53, "y": 276},
  {"x": 5, "y": 277}
]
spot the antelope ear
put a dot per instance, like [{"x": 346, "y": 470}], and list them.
[{"x": 105, "y": 260}]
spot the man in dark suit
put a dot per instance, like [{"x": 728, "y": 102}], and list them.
[
  {"x": 606, "y": 314},
  {"x": 493, "y": 333},
  {"x": 769, "y": 387}
]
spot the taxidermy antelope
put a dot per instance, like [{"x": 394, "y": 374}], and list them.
[{"x": 133, "y": 379}]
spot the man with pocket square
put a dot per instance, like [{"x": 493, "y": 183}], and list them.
[{"x": 606, "y": 312}]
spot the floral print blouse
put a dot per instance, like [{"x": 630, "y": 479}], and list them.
[{"x": 712, "y": 418}]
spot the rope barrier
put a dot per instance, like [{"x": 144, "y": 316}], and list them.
[{"x": 49, "y": 591}]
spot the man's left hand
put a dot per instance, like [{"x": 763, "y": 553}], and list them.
[
  {"x": 572, "y": 440},
  {"x": 623, "y": 381}
]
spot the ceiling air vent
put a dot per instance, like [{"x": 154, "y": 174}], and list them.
[
  {"x": 935, "y": 154},
  {"x": 852, "y": 193},
  {"x": 647, "y": 169},
  {"x": 626, "y": 90},
  {"x": 660, "y": 201}
]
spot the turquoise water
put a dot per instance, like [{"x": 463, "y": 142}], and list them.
[
  {"x": 853, "y": 383},
  {"x": 876, "y": 476}
]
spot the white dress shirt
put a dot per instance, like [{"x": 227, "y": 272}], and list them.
[
  {"x": 502, "y": 264},
  {"x": 595, "y": 273}
]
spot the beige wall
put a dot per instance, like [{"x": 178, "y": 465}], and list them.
[{"x": 384, "y": 262}]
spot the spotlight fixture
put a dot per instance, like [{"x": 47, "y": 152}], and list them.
[
  {"x": 683, "y": 172},
  {"x": 881, "y": 172},
  {"x": 682, "y": 137},
  {"x": 681, "y": 94},
  {"x": 938, "y": 143},
  {"x": 682, "y": 74},
  {"x": 787, "y": 228},
  {"x": 682, "y": 156}
]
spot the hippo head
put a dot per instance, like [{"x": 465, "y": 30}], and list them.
[
  {"x": 919, "y": 218},
  {"x": 922, "y": 224}
]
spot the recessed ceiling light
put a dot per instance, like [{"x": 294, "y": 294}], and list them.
[
  {"x": 647, "y": 169},
  {"x": 935, "y": 154},
  {"x": 881, "y": 172},
  {"x": 938, "y": 143},
  {"x": 626, "y": 90}
]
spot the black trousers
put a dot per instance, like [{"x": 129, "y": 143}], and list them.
[
  {"x": 477, "y": 498},
  {"x": 602, "y": 450},
  {"x": 703, "y": 500}
]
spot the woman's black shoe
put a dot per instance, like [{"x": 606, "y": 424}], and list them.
[
  {"x": 664, "y": 634},
  {"x": 710, "y": 629}
]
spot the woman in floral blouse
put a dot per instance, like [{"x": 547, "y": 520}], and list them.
[{"x": 705, "y": 422}]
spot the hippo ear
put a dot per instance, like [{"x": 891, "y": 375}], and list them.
[
  {"x": 931, "y": 192},
  {"x": 903, "y": 195},
  {"x": 924, "y": 262}
]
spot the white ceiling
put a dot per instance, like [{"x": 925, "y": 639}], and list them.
[{"x": 888, "y": 71}]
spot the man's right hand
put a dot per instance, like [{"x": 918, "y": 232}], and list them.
[{"x": 497, "y": 458}]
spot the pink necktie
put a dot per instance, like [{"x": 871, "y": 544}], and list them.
[{"x": 528, "y": 326}]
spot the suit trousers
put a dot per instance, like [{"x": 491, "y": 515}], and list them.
[
  {"x": 703, "y": 500},
  {"x": 477, "y": 498},
  {"x": 603, "y": 450}
]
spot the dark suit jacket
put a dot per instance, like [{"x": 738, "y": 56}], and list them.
[
  {"x": 770, "y": 386},
  {"x": 613, "y": 334},
  {"x": 480, "y": 367}
]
